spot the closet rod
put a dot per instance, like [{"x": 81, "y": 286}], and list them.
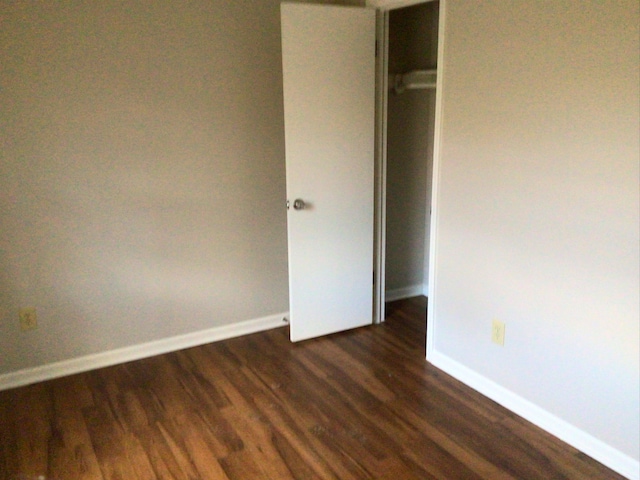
[{"x": 416, "y": 79}]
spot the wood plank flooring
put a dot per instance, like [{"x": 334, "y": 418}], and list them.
[{"x": 356, "y": 405}]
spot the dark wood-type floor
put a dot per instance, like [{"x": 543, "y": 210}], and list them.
[{"x": 355, "y": 405}]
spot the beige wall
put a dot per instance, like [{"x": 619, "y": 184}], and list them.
[
  {"x": 537, "y": 202},
  {"x": 413, "y": 39},
  {"x": 141, "y": 172},
  {"x": 142, "y": 180}
]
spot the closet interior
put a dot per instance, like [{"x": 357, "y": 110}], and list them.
[{"x": 412, "y": 71}]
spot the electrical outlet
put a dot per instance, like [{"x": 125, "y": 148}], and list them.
[
  {"x": 497, "y": 332},
  {"x": 28, "y": 319}
]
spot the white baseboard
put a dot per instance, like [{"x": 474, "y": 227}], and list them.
[
  {"x": 405, "y": 292},
  {"x": 135, "y": 352},
  {"x": 600, "y": 451}
]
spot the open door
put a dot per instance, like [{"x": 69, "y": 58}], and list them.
[{"x": 329, "y": 109}]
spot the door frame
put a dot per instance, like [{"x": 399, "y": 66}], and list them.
[
  {"x": 380, "y": 159},
  {"x": 393, "y": 4},
  {"x": 380, "y": 196}
]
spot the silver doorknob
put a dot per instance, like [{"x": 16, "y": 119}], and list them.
[{"x": 298, "y": 204}]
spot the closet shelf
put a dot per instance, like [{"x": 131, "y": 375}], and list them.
[{"x": 416, "y": 79}]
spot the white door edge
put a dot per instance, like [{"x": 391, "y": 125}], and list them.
[
  {"x": 382, "y": 92},
  {"x": 435, "y": 185}
]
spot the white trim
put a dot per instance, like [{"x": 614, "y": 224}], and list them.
[
  {"x": 597, "y": 449},
  {"x": 435, "y": 182},
  {"x": 382, "y": 92},
  {"x": 393, "y": 4},
  {"x": 135, "y": 352},
  {"x": 405, "y": 292}
]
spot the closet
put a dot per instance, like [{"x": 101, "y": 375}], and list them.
[{"x": 412, "y": 72}]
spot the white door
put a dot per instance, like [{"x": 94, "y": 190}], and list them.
[{"x": 329, "y": 109}]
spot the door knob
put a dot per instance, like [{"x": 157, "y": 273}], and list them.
[{"x": 298, "y": 204}]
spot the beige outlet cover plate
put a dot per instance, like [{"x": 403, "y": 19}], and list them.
[{"x": 28, "y": 319}]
